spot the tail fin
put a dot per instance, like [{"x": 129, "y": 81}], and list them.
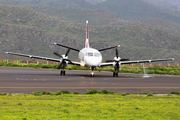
[{"x": 87, "y": 36}]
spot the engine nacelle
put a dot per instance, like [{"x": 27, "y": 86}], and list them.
[{"x": 117, "y": 59}]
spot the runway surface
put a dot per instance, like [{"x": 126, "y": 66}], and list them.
[{"x": 26, "y": 80}]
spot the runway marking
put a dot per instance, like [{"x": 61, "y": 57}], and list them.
[
  {"x": 86, "y": 78},
  {"x": 89, "y": 87}
]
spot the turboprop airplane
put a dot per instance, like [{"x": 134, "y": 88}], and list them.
[{"x": 89, "y": 57}]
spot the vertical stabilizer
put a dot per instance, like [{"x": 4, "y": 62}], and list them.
[{"x": 87, "y": 35}]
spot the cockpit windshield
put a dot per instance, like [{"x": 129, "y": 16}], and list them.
[{"x": 90, "y": 54}]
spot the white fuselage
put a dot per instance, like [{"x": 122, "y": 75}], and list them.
[{"x": 90, "y": 57}]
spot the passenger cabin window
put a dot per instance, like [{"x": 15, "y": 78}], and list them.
[{"x": 90, "y": 54}]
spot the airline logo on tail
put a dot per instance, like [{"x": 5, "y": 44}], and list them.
[{"x": 87, "y": 36}]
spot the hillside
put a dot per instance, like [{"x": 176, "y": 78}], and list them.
[
  {"x": 26, "y": 31},
  {"x": 164, "y": 4},
  {"x": 60, "y": 3},
  {"x": 137, "y": 9},
  {"x": 127, "y": 9},
  {"x": 95, "y": 1},
  {"x": 97, "y": 17},
  {"x": 174, "y": 1},
  {"x": 152, "y": 23}
]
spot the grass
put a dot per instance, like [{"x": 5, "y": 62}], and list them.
[
  {"x": 138, "y": 69},
  {"x": 96, "y": 106}
]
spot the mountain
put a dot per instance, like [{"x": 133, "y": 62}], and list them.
[
  {"x": 97, "y": 17},
  {"x": 164, "y": 4},
  {"x": 160, "y": 24},
  {"x": 95, "y": 1},
  {"x": 177, "y": 2},
  {"x": 126, "y": 9},
  {"x": 138, "y": 9},
  {"x": 60, "y": 3},
  {"x": 26, "y": 31}
]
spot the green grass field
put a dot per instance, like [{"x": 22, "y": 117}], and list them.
[{"x": 91, "y": 107}]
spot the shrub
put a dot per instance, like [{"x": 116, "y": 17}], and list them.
[
  {"x": 175, "y": 92},
  {"x": 46, "y": 93},
  {"x": 149, "y": 94},
  {"x": 62, "y": 92},
  {"x": 37, "y": 93},
  {"x": 123, "y": 94},
  {"x": 3, "y": 93},
  {"x": 76, "y": 93},
  {"x": 92, "y": 92},
  {"x": 143, "y": 93},
  {"x": 104, "y": 91}
]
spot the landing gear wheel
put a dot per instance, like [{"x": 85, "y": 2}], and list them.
[
  {"x": 92, "y": 75},
  {"x": 63, "y": 72},
  {"x": 114, "y": 74}
]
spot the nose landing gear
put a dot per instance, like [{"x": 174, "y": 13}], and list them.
[{"x": 92, "y": 73}]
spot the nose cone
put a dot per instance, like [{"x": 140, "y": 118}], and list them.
[{"x": 93, "y": 61}]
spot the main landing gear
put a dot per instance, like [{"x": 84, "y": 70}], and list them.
[
  {"x": 62, "y": 72},
  {"x": 115, "y": 74}
]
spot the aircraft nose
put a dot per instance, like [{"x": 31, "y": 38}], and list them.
[{"x": 93, "y": 61}]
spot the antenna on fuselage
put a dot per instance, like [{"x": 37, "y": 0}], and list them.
[{"x": 87, "y": 35}]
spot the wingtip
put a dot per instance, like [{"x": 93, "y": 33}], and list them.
[
  {"x": 86, "y": 21},
  {"x": 6, "y": 52},
  {"x": 118, "y": 45},
  {"x": 55, "y": 43}
]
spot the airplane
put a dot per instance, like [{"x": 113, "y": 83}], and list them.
[{"x": 89, "y": 57}]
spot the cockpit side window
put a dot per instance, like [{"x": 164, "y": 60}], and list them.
[
  {"x": 97, "y": 54},
  {"x": 90, "y": 54}
]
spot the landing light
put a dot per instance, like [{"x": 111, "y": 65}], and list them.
[
  {"x": 92, "y": 73},
  {"x": 82, "y": 65}
]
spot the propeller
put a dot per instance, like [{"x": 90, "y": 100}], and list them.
[
  {"x": 55, "y": 53},
  {"x": 117, "y": 58},
  {"x": 64, "y": 59}
]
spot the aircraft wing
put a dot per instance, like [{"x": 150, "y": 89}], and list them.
[
  {"x": 35, "y": 57},
  {"x": 145, "y": 61},
  {"x": 44, "y": 58},
  {"x": 106, "y": 64},
  {"x": 136, "y": 61}
]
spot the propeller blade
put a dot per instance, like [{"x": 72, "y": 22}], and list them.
[
  {"x": 60, "y": 65},
  {"x": 67, "y": 52},
  {"x": 116, "y": 53},
  {"x": 109, "y": 61},
  {"x": 125, "y": 59},
  {"x": 67, "y": 60},
  {"x": 57, "y": 54}
]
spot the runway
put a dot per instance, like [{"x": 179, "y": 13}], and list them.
[{"x": 27, "y": 80}]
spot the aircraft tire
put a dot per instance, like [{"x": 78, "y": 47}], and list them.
[
  {"x": 114, "y": 74},
  {"x": 64, "y": 72},
  {"x": 61, "y": 72}
]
